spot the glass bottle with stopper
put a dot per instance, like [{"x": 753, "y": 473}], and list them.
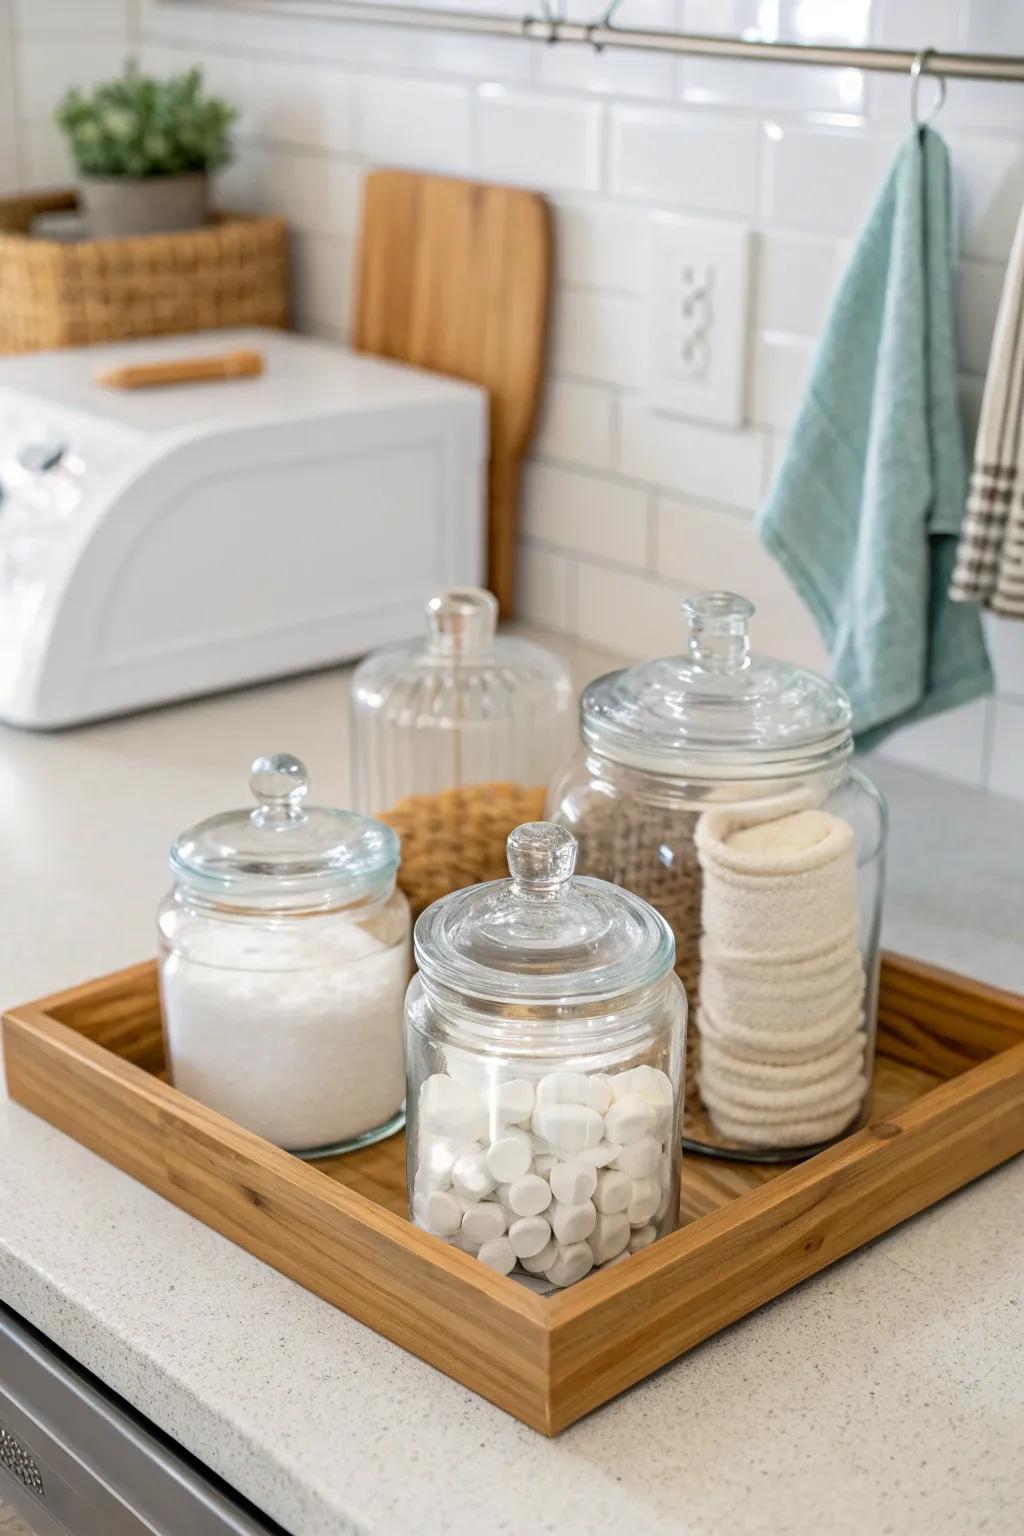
[{"x": 718, "y": 784}]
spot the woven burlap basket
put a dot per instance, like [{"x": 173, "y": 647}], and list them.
[
  {"x": 458, "y": 837},
  {"x": 231, "y": 272}
]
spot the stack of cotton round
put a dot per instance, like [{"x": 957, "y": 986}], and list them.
[
  {"x": 557, "y": 1176},
  {"x": 782, "y": 981}
]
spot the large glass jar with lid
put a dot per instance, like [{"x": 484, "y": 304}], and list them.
[
  {"x": 462, "y": 706},
  {"x": 284, "y": 958},
  {"x": 718, "y": 785},
  {"x": 544, "y": 1043}
]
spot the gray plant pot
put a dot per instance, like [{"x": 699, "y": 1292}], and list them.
[{"x": 147, "y": 205}]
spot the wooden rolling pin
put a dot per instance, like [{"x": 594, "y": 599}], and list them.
[{"x": 241, "y": 364}]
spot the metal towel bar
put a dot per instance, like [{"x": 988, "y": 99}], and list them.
[{"x": 550, "y": 29}]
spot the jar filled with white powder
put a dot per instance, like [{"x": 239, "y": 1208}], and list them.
[
  {"x": 545, "y": 1038},
  {"x": 284, "y": 959}
]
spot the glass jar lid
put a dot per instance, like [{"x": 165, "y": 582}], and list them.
[
  {"x": 718, "y": 710},
  {"x": 283, "y": 854},
  {"x": 462, "y": 622},
  {"x": 544, "y": 935}
]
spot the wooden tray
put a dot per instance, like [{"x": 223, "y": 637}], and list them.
[{"x": 949, "y": 1105}]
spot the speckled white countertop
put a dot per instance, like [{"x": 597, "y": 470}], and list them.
[{"x": 885, "y": 1396}]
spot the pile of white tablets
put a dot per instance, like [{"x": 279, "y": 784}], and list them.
[{"x": 558, "y": 1175}]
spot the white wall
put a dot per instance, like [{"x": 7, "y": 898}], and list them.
[{"x": 625, "y": 509}]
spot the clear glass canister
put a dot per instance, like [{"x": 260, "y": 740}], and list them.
[
  {"x": 284, "y": 958},
  {"x": 718, "y": 785},
  {"x": 463, "y": 706},
  {"x": 545, "y": 1043}
]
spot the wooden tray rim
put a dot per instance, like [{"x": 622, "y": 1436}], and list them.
[{"x": 563, "y": 1355}]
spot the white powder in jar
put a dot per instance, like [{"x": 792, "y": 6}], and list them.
[{"x": 293, "y": 1030}]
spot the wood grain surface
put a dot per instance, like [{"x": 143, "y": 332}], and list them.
[
  {"x": 948, "y": 1106},
  {"x": 455, "y": 276}
]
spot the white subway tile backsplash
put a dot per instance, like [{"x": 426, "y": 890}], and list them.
[
  {"x": 46, "y": 72},
  {"x": 478, "y": 58},
  {"x": 537, "y": 140},
  {"x": 770, "y": 87},
  {"x": 707, "y": 462},
  {"x": 544, "y": 594},
  {"x": 576, "y": 424},
  {"x": 781, "y": 365},
  {"x": 601, "y": 337},
  {"x": 988, "y": 176},
  {"x": 994, "y": 25},
  {"x": 635, "y": 616},
  {"x": 951, "y": 745},
  {"x": 704, "y": 550},
  {"x": 10, "y": 176},
  {"x": 969, "y": 390},
  {"x": 199, "y": 24},
  {"x": 602, "y": 246},
  {"x": 59, "y": 20},
  {"x": 585, "y": 513},
  {"x": 612, "y": 72},
  {"x": 344, "y": 198},
  {"x": 1005, "y": 640},
  {"x": 798, "y": 21},
  {"x": 706, "y": 160},
  {"x": 281, "y": 100},
  {"x": 825, "y": 178},
  {"x": 293, "y": 184},
  {"x": 979, "y": 285},
  {"x": 797, "y": 277},
  {"x": 412, "y": 123},
  {"x": 903, "y": 23},
  {"x": 321, "y": 284},
  {"x": 1006, "y": 770},
  {"x": 44, "y": 160}
]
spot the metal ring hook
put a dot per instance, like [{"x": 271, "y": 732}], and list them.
[
  {"x": 605, "y": 21},
  {"x": 917, "y": 69},
  {"x": 549, "y": 18}
]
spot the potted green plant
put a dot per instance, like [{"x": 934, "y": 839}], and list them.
[{"x": 143, "y": 149}]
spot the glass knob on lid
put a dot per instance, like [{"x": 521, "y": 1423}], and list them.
[
  {"x": 719, "y": 641},
  {"x": 541, "y": 858},
  {"x": 720, "y": 710},
  {"x": 462, "y": 622},
  {"x": 280, "y": 783},
  {"x": 285, "y": 853},
  {"x": 545, "y": 934}
]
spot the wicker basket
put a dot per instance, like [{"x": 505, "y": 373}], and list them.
[
  {"x": 232, "y": 272},
  {"x": 458, "y": 837}
]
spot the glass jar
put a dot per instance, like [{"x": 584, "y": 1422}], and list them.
[
  {"x": 544, "y": 1045},
  {"x": 718, "y": 785},
  {"x": 465, "y": 706},
  {"x": 284, "y": 959}
]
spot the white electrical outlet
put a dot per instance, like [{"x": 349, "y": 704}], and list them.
[{"x": 699, "y": 300}]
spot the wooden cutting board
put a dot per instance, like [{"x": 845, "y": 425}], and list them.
[{"x": 455, "y": 276}]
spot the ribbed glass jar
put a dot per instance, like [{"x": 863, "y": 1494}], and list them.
[
  {"x": 463, "y": 706},
  {"x": 544, "y": 1047},
  {"x": 718, "y": 785}
]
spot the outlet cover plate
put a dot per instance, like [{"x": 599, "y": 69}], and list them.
[{"x": 699, "y": 309}]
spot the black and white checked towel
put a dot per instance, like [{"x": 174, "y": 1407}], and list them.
[{"x": 990, "y": 556}]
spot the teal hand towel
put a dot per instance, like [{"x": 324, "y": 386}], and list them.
[{"x": 866, "y": 507}]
